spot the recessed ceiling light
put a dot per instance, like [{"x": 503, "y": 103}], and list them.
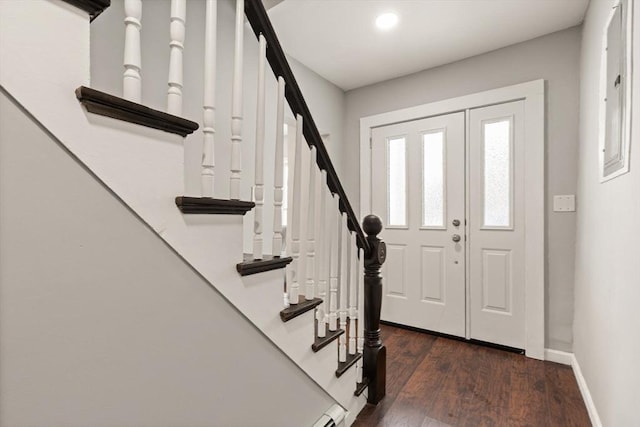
[{"x": 386, "y": 21}]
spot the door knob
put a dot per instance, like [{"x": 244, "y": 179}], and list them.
[
  {"x": 456, "y": 222},
  {"x": 456, "y": 238}
]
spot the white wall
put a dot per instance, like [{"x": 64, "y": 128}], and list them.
[
  {"x": 555, "y": 58},
  {"x": 102, "y": 324},
  {"x": 607, "y": 289},
  {"x": 325, "y": 100}
]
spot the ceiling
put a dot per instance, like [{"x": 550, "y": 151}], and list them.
[{"x": 338, "y": 39}]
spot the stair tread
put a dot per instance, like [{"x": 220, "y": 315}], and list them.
[
  {"x": 295, "y": 310},
  {"x": 361, "y": 387},
  {"x": 208, "y": 205},
  {"x": 92, "y": 7},
  {"x": 330, "y": 336},
  {"x": 267, "y": 263},
  {"x": 104, "y": 104},
  {"x": 344, "y": 366}
]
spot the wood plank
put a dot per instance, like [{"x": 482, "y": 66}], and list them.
[
  {"x": 528, "y": 385},
  {"x": 410, "y": 349},
  {"x": 104, "y": 104},
  {"x": 565, "y": 403},
  {"x": 438, "y": 382},
  {"x": 489, "y": 404},
  {"x": 295, "y": 310},
  {"x": 267, "y": 263},
  {"x": 92, "y": 7},
  {"x": 416, "y": 398},
  {"x": 457, "y": 389},
  {"x": 208, "y": 205}
]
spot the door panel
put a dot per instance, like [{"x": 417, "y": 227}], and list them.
[
  {"x": 496, "y": 224},
  {"x": 418, "y": 190}
]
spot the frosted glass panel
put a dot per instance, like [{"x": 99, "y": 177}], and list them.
[
  {"x": 397, "y": 181},
  {"x": 497, "y": 174},
  {"x": 433, "y": 179}
]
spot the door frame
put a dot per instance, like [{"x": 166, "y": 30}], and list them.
[{"x": 533, "y": 95}]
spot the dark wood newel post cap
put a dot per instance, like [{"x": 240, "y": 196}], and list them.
[{"x": 372, "y": 225}]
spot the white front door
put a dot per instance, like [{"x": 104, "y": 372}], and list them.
[
  {"x": 453, "y": 208},
  {"x": 418, "y": 192},
  {"x": 496, "y": 225}
]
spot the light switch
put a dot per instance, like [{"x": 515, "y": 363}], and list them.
[{"x": 565, "y": 203}]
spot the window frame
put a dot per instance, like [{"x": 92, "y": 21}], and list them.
[{"x": 619, "y": 164}]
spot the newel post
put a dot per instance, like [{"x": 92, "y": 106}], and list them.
[{"x": 375, "y": 353}]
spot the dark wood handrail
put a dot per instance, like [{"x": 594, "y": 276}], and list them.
[{"x": 261, "y": 24}]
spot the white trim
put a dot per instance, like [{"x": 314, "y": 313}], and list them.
[
  {"x": 533, "y": 95},
  {"x": 586, "y": 394},
  {"x": 558, "y": 356}
]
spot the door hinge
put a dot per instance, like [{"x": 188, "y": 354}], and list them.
[{"x": 370, "y": 142}]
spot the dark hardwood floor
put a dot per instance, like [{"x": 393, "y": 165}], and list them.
[{"x": 434, "y": 381}]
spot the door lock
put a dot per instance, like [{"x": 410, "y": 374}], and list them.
[
  {"x": 456, "y": 238},
  {"x": 456, "y": 222}
]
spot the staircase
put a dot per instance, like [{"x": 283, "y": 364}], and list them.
[{"x": 327, "y": 319}]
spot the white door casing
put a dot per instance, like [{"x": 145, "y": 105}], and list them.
[
  {"x": 418, "y": 198},
  {"x": 532, "y": 96}
]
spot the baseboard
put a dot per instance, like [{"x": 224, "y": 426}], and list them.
[
  {"x": 558, "y": 356},
  {"x": 567, "y": 358},
  {"x": 586, "y": 394}
]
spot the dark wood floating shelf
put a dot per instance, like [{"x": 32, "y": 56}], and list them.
[
  {"x": 92, "y": 7},
  {"x": 112, "y": 106},
  {"x": 295, "y": 310},
  {"x": 208, "y": 205},
  {"x": 267, "y": 263},
  {"x": 321, "y": 343},
  {"x": 361, "y": 387},
  {"x": 344, "y": 366}
]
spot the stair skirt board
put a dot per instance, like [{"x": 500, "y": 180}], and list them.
[
  {"x": 208, "y": 205},
  {"x": 330, "y": 336},
  {"x": 108, "y": 105},
  {"x": 267, "y": 263},
  {"x": 344, "y": 366},
  {"x": 295, "y": 310}
]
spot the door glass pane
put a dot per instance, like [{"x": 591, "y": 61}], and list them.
[
  {"x": 497, "y": 174},
  {"x": 397, "y": 181},
  {"x": 433, "y": 179}
]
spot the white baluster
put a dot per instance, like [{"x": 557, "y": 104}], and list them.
[
  {"x": 293, "y": 284},
  {"x": 344, "y": 277},
  {"x": 278, "y": 172},
  {"x": 177, "y": 31},
  {"x": 209, "y": 113},
  {"x": 236, "y": 105},
  {"x": 353, "y": 292},
  {"x": 311, "y": 228},
  {"x": 360, "y": 281},
  {"x": 132, "y": 79},
  {"x": 322, "y": 257},
  {"x": 258, "y": 190},
  {"x": 334, "y": 234}
]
